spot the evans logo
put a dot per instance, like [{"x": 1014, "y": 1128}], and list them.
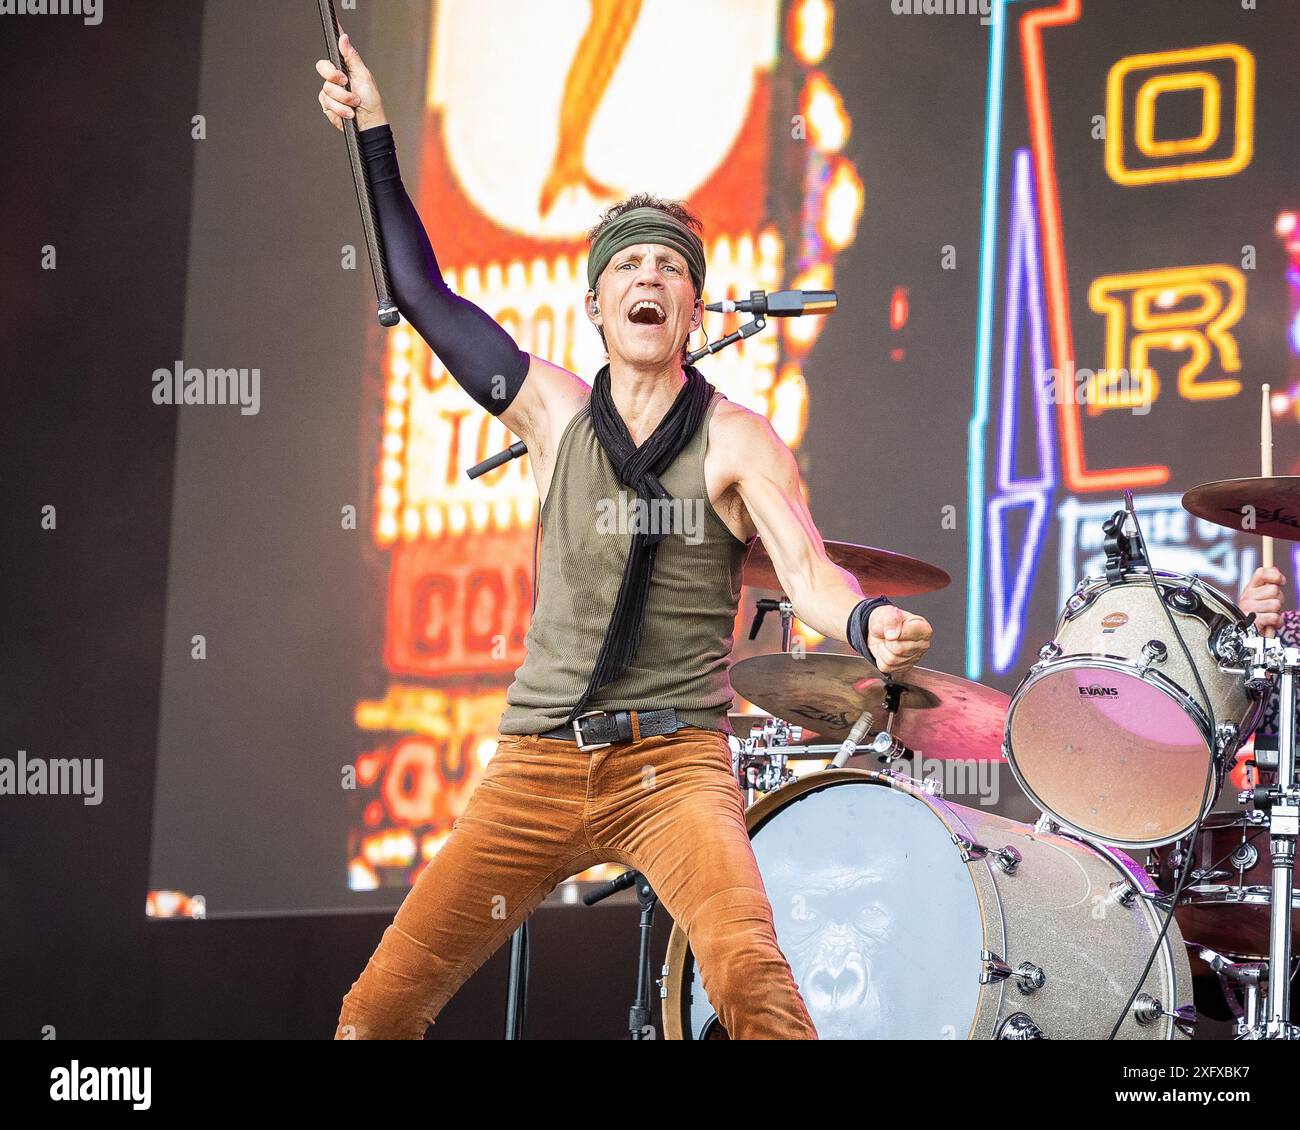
[{"x": 1095, "y": 691}]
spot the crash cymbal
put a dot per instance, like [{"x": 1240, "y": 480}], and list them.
[
  {"x": 1274, "y": 503},
  {"x": 880, "y": 572},
  {"x": 939, "y": 716}
]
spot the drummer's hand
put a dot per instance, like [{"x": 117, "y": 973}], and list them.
[
  {"x": 1263, "y": 596},
  {"x": 360, "y": 99},
  {"x": 897, "y": 639}
]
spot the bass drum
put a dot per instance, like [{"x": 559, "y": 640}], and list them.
[{"x": 904, "y": 917}]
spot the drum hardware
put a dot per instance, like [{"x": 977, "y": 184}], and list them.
[
  {"x": 760, "y": 759},
  {"x": 927, "y": 785},
  {"x": 889, "y": 749},
  {"x": 1080, "y": 599},
  {"x": 1123, "y": 893},
  {"x": 1281, "y": 803},
  {"x": 1154, "y": 652},
  {"x": 1006, "y": 859},
  {"x": 1228, "y": 739},
  {"x": 1149, "y": 1010},
  {"x": 1244, "y": 858},
  {"x": 776, "y": 730},
  {"x": 1263, "y": 758},
  {"x": 762, "y": 774},
  {"x": 1228, "y": 642},
  {"x": 1183, "y": 599},
  {"x": 1020, "y": 1026},
  {"x": 1124, "y": 551},
  {"x": 785, "y": 608},
  {"x": 1028, "y": 977},
  {"x": 1243, "y": 985}
]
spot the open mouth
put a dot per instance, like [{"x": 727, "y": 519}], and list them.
[{"x": 647, "y": 313}]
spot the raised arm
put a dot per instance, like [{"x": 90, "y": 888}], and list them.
[{"x": 479, "y": 354}]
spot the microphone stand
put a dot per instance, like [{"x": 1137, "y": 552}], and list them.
[
  {"x": 639, "y": 1025},
  {"x": 517, "y": 983},
  {"x": 749, "y": 329},
  {"x": 386, "y": 308}
]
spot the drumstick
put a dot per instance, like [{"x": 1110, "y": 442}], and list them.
[{"x": 1266, "y": 471}]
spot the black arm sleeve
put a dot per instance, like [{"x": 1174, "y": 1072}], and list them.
[{"x": 481, "y": 356}]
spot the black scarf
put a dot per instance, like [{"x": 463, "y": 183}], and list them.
[{"x": 639, "y": 468}]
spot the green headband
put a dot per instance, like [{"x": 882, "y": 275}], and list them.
[{"x": 647, "y": 225}]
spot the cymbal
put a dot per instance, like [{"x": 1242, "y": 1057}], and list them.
[
  {"x": 1275, "y": 503},
  {"x": 940, "y": 716},
  {"x": 880, "y": 572}
]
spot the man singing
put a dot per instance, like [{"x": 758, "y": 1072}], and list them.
[{"x": 613, "y": 745}]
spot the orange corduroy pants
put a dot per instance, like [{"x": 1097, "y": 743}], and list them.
[{"x": 667, "y": 806}]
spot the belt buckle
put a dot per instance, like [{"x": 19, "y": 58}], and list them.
[{"x": 577, "y": 733}]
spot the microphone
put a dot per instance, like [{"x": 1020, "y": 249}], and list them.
[
  {"x": 782, "y": 304},
  {"x": 849, "y": 746},
  {"x": 514, "y": 451}
]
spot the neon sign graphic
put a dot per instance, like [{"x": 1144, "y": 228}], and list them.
[
  {"x": 1024, "y": 293},
  {"x": 1190, "y": 310}
]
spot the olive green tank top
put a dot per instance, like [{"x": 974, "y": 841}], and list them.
[{"x": 587, "y": 526}]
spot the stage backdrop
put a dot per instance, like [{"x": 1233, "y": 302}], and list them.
[{"x": 1062, "y": 235}]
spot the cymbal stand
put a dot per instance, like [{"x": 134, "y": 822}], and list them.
[
  {"x": 1281, "y": 802},
  {"x": 785, "y": 608}
]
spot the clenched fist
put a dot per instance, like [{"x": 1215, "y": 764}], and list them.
[
  {"x": 353, "y": 95},
  {"x": 1263, "y": 596},
  {"x": 896, "y": 638}
]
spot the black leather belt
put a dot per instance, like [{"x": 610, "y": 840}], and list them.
[{"x": 599, "y": 728}]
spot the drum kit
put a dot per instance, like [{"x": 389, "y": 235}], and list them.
[{"x": 905, "y": 915}]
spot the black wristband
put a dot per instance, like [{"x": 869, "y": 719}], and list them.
[{"x": 857, "y": 626}]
